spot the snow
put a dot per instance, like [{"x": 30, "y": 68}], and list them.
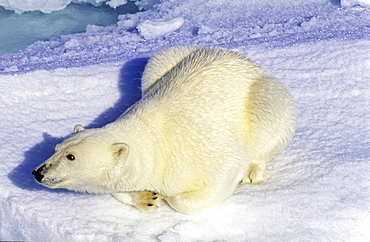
[
  {"x": 32, "y": 5},
  {"x": 150, "y": 29},
  {"x": 350, "y": 3},
  {"x": 317, "y": 189}
]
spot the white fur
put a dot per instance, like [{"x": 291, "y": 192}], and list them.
[{"x": 209, "y": 120}]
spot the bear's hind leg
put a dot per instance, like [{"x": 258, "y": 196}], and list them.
[
  {"x": 145, "y": 201},
  {"x": 191, "y": 202},
  {"x": 255, "y": 174}
]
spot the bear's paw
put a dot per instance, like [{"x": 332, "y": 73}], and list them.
[
  {"x": 255, "y": 174},
  {"x": 147, "y": 201}
]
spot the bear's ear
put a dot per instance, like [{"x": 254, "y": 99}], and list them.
[
  {"x": 120, "y": 151},
  {"x": 78, "y": 128}
]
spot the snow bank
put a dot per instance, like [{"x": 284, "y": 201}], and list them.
[
  {"x": 317, "y": 189},
  {"x": 32, "y": 5}
]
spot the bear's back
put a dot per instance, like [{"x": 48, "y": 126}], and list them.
[{"x": 208, "y": 73}]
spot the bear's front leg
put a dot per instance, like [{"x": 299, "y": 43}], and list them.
[{"x": 145, "y": 201}]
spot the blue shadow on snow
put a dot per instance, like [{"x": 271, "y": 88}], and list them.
[{"x": 129, "y": 85}]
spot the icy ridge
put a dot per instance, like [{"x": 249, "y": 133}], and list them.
[
  {"x": 48, "y": 6},
  {"x": 305, "y": 24}
]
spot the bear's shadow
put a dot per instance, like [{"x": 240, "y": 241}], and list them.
[{"x": 129, "y": 85}]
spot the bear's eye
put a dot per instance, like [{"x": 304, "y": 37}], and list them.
[{"x": 70, "y": 157}]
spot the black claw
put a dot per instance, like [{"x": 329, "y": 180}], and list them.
[
  {"x": 149, "y": 204},
  {"x": 154, "y": 198}
]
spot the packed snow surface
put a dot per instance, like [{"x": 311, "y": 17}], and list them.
[{"x": 317, "y": 189}]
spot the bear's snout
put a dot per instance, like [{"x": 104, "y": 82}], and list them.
[{"x": 38, "y": 173}]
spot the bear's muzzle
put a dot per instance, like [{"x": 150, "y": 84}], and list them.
[{"x": 39, "y": 173}]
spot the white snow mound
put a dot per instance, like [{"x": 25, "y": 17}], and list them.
[
  {"x": 151, "y": 29},
  {"x": 350, "y": 3}
]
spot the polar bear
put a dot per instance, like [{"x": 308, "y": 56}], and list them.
[{"x": 209, "y": 119}]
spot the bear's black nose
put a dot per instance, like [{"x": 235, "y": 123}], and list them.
[{"x": 38, "y": 175}]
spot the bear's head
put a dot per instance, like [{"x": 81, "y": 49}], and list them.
[{"x": 85, "y": 162}]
